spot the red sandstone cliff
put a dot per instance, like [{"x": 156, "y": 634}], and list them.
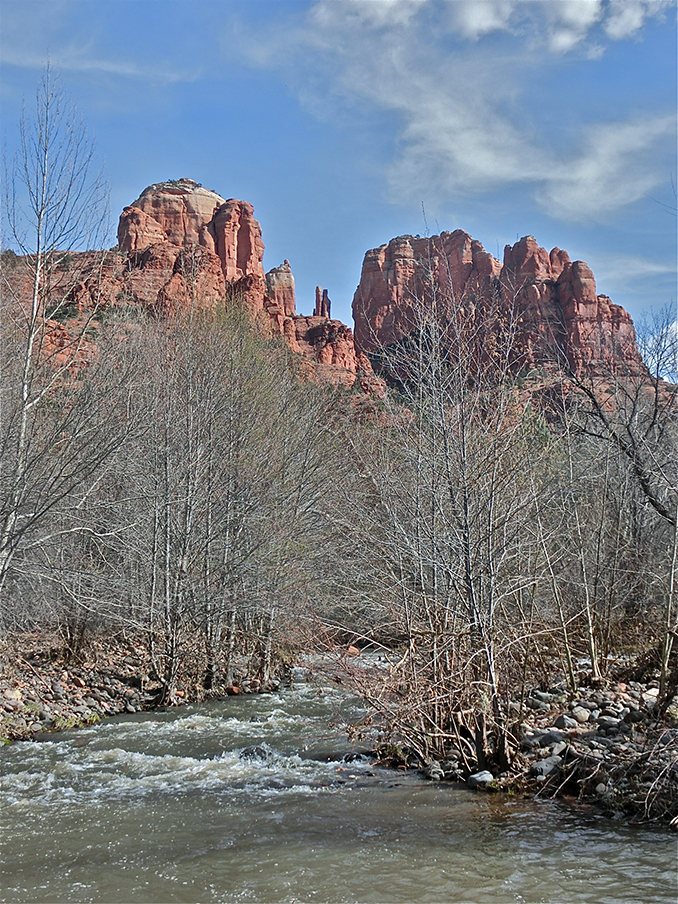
[
  {"x": 184, "y": 247},
  {"x": 187, "y": 246},
  {"x": 558, "y": 314}
]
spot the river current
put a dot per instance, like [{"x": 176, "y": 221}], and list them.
[{"x": 249, "y": 800}]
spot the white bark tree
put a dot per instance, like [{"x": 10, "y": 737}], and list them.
[{"x": 54, "y": 437}]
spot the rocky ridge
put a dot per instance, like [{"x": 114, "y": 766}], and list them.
[
  {"x": 181, "y": 246},
  {"x": 560, "y": 319}
]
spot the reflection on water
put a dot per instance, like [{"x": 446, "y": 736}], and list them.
[{"x": 237, "y": 801}]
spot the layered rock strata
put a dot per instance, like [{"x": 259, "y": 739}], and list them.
[{"x": 560, "y": 320}]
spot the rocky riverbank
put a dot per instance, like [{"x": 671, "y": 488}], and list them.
[
  {"x": 41, "y": 690},
  {"x": 604, "y": 746}
]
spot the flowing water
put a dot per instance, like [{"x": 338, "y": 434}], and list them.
[{"x": 175, "y": 807}]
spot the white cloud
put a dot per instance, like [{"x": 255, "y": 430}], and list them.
[
  {"x": 626, "y": 17},
  {"x": 68, "y": 59},
  {"x": 77, "y": 59},
  {"x": 475, "y": 18},
  {"x": 369, "y": 13},
  {"x": 569, "y": 21},
  {"x": 612, "y": 169},
  {"x": 630, "y": 267},
  {"x": 461, "y": 126}
]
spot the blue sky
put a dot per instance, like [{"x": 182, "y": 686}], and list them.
[{"x": 349, "y": 122}]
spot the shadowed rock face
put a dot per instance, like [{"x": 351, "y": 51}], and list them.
[{"x": 559, "y": 316}]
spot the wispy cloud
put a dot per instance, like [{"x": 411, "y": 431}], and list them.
[
  {"x": 628, "y": 268},
  {"x": 614, "y": 168},
  {"x": 69, "y": 59},
  {"x": 462, "y": 128},
  {"x": 34, "y": 32}
]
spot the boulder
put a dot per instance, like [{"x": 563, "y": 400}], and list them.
[
  {"x": 550, "y": 765},
  {"x": 566, "y": 722},
  {"x": 480, "y": 779},
  {"x": 581, "y": 714},
  {"x": 550, "y": 738}
]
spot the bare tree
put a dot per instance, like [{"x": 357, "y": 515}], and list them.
[
  {"x": 55, "y": 204},
  {"x": 634, "y": 409},
  {"x": 445, "y": 503}
]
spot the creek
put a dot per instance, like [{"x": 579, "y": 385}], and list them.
[{"x": 248, "y": 799}]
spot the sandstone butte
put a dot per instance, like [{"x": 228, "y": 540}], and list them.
[
  {"x": 185, "y": 245},
  {"x": 182, "y": 245},
  {"x": 561, "y": 322}
]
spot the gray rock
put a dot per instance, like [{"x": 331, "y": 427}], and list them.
[
  {"x": 581, "y": 714},
  {"x": 452, "y": 769},
  {"x": 560, "y": 748},
  {"x": 255, "y": 752},
  {"x": 543, "y": 696},
  {"x": 634, "y": 716},
  {"x": 537, "y": 705},
  {"x": 480, "y": 779},
  {"x": 548, "y": 766},
  {"x": 566, "y": 722},
  {"x": 607, "y": 722},
  {"x": 550, "y": 738}
]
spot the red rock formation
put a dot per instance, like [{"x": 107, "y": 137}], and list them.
[
  {"x": 394, "y": 276},
  {"x": 187, "y": 247},
  {"x": 197, "y": 280},
  {"x": 184, "y": 213},
  {"x": 137, "y": 230},
  {"x": 562, "y": 314},
  {"x": 238, "y": 241},
  {"x": 181, "y": 209},
  {"x": 185, "y": 244},
  {"x": 280, "y": 289},
  {"x": 322, "y": 303},
  {"x": 559, "y": 316}
]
